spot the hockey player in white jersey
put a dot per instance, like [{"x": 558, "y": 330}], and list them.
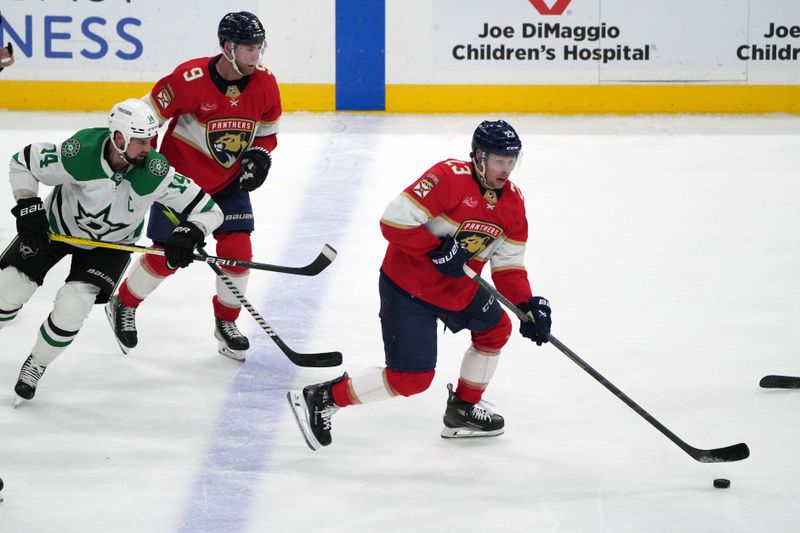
[{"x": 104, "y": 181}]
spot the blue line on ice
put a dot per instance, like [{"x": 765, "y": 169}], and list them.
[{"x": 223, "y": 493}]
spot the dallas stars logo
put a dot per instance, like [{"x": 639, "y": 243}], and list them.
[
  {"x": 96, "y": 225},
  {"x": 70, "y": 148},
  {"x": 158, "y": 167}
]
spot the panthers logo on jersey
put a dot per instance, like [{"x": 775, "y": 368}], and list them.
[
  {"x": 228, "y": 139},
  {"x": 477, "y": 235}
]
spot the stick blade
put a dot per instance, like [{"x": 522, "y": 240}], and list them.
[
  {"x": 315, "y": 360},
  {"x": 780, "y": 382},
  {"x": 323, "y": 260},
  {"x": 329, "y": 252},
  {"x": 729, "y": 454}
]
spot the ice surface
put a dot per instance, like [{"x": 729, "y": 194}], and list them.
[{"x": 668, "y": 247}]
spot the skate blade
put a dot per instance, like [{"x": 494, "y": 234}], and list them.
[
  {"x": 18, "y": 400},
  {"x": 469, "y": 433},
  {"x": 110, "y": 318},
  {"x": 236, "y": 355},
  {"x": 300, "y": 412}
]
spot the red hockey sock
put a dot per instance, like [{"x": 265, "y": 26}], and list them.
[
  {"x": 467, "y": 393},
  {"x": 125, "y": 296},
  {"x": 341, "y": 393},
  {"x": 223, "y": 312}
]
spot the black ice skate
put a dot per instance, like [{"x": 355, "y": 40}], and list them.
[
  {"x": 29, "y": 376},
  {"x": 231, "y": 341},
  {"x": 123, "y": 321},
  {"x": 313, "y": 409},
  {"x": 463, "y": 419}
]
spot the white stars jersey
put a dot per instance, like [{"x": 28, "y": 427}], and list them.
[{"x": 92, "y": 201}]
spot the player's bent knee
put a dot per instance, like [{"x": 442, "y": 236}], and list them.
[
  {"x": 494, "y": 338},
  {"x": 409, "y": 383},
  {"x": 236, "y": 245},
  {"x": 72, "y": 305},
  {"x": 17, "y": 288}
]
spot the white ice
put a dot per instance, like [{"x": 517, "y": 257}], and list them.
[{"x": 668, "y": 247}]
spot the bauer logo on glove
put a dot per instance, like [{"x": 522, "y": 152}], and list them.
[{"x": 256, "y": 163}]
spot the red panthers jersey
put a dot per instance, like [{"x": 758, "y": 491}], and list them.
[
  {"x": 447, "y": 200},
  {"x": 215, "y": 121}
]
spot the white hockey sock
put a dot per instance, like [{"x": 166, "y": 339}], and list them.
[
  {"x": 71, "y": 307},
  {"x": 15, "y": 289},
  {"x": 225, "y": 295},
  {"x": 370, "y": 386},
  {"x": 142, "y": 280},
  {"x": 477, "y": 367}
]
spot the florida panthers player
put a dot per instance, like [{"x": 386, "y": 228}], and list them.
[
  {"x": 458, "y": 212},
  {"x": 104, "y": 181},
  {"x": 224, "y": 113}
]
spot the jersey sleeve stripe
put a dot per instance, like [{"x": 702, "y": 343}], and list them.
[
  {"x": 509, "y": 267},
  {"x": 267, "y": 129},
  {"x": 209, "y": 205},
  {"x": 395, "y": 225},
  {"x": 193, "y": 132},
  {"x": 508, "y": 255},
  {"x": 405, "y": 196},
  {"x": 196, "y": 200}
]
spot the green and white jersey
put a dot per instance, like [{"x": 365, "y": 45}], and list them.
[{"x": 90, "y": 200}]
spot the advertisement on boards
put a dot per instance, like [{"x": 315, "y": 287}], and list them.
[
  {"x": 131, "y": 40},
  {"x": 596, "y": 41}
]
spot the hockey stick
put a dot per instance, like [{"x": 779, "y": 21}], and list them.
[
  {"x": 325, "y": 257},
  {"x": 299, "y": 359},
  {"x": 737, "y": 452},
  {"x": 779, "y": 382}
]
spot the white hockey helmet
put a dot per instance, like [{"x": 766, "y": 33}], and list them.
[{"x": 133, "y": 118}]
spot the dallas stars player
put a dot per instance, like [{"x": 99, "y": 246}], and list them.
[{"x": 104, "y": 181}]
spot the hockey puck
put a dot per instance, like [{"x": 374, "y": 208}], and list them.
[
  {"x": 1, "y": 483},
  {"x": 722, "y": 483}
]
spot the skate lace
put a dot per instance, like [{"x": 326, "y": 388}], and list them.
[
  {"x": 31, "y": 372},
  {"x": 481, "y": 411},
  {"x": 230, "y": 329},
  {"x": 325, "y": 414},
  {"x": 127, "y": 317}
]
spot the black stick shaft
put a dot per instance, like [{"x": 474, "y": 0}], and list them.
[
  {"x": 299, "y": 359},
  {"x": 736, "y": 452}
]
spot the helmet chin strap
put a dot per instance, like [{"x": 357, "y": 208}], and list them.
[
  {"x": 122, "y": 151},
  {"x": 481, "y": 172},
  {"x": 232, "y": 59}
]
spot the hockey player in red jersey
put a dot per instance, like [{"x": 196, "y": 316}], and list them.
[
  {"x": 456, "y": 213},
  {"x": 224, "y": 113}
]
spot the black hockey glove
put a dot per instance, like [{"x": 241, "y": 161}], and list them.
[
  {"x": 32, "y": 225},
  {"x": 538, "y": 329},
  {"x": 255, "y": 167},
  {"x": 450, "y": 257},
  {"x": 181, "y": 244}
]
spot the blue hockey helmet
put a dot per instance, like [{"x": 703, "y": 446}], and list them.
[
  {"x": 241, "y": 27},
  {"x": 496, "y": 137}
]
